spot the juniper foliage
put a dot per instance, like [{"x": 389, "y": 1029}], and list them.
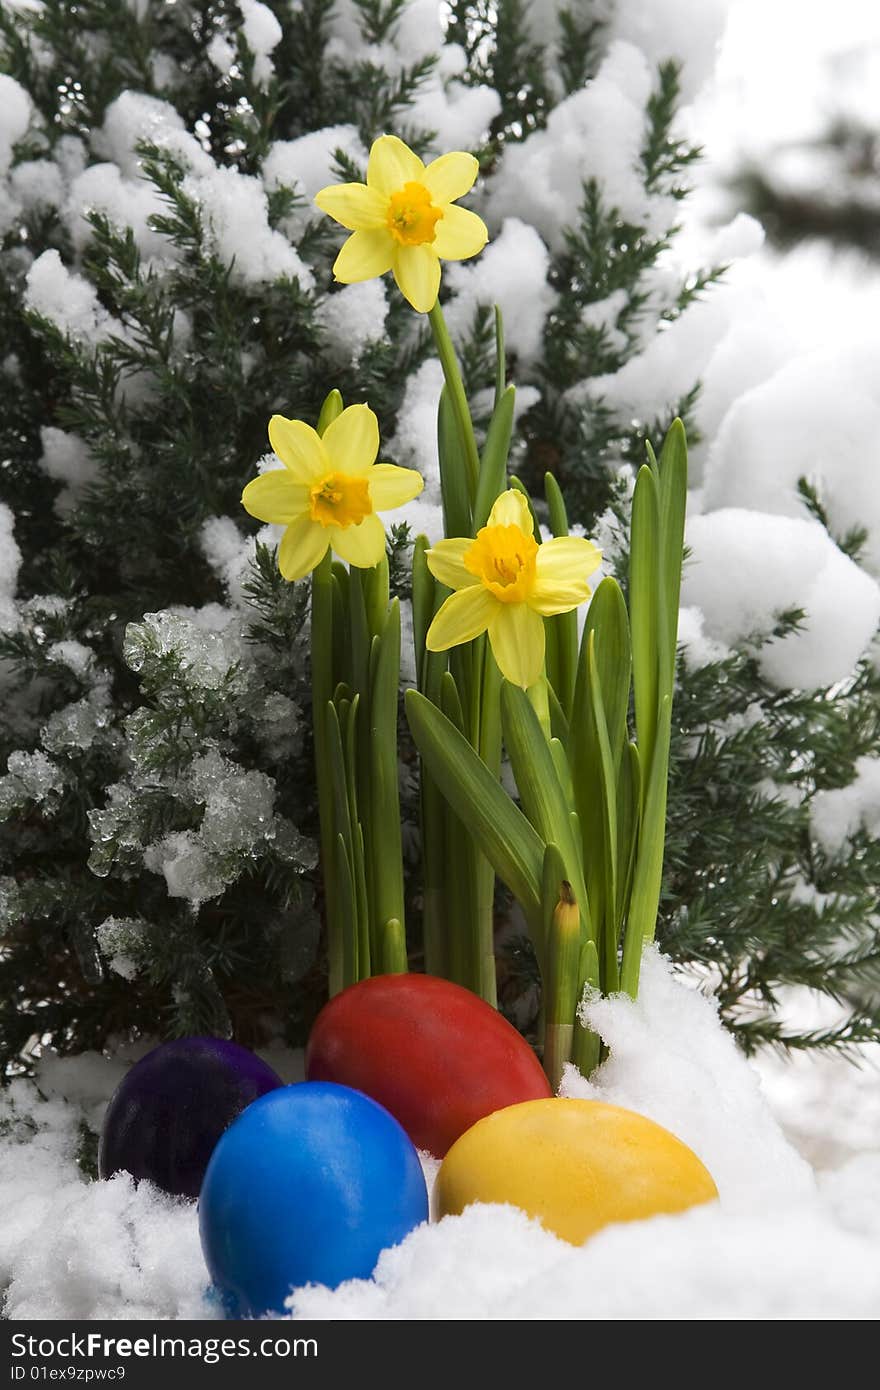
[{"x": 157, "y": 847}]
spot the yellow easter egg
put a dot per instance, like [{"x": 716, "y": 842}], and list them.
[{"x": 576, "y": 1165}]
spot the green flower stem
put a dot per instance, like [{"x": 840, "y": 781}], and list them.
[
  {"x": 380, "y": 732},
  {"x": 656, "y": 550},
  {"x": 539, "y": 699},
  {"x": 586, "y": 1045},
  {"x": 458, "y": 399},
  {"x": 394, "y": 948},
  {"x": 322, "y": 694}
]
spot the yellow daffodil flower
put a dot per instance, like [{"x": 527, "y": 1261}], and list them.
[
  {"x": 404, "y": 219},
  {"x": 506, "y": 583},
  {"x": 329, "y": 491}
]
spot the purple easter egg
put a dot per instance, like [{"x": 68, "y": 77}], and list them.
[{"x": 168, "y": 1112}]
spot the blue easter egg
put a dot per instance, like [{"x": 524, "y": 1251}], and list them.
[
  {"x": 309, "y": 1184},
  {"x": 172, "y": 1106}
]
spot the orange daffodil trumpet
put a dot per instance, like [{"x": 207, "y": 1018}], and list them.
[
  {"x": 329, "y": 491},
  {"x": 404, "y": 219},
  {"x": 505, "y": 584}
]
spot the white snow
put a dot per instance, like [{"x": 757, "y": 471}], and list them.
[
  {"x": 746, "y": 568},
  {"x": 229, "y": 553},
  {"x": 307, "y": 165},
  {"x": 783, "y": 1241},
  {"x": 77, "y": 657},
  {"x": 415, "y": 442},
  {"x": 792, "y": 426},
  {"x": 75, "y": 1249},
  {"x": 133, "y": 117},
  {"x": 16, "y": 108},
  {"x": 68, "y": 459},
  {"x": 262, "y": 34},
  {"x": 524, "y": 298},
  {"x": 124, "y": 202},
  {"x": 236, "y": 213},
  {"x": 68, "y": 300},
  {"x": 457, "y": 115},
  {"x": 837, "y": 814},
  {"x": 686, "y": 31},
  {"x": 10, "y": 564},
  {"x": 699, "y": 649},
  {"x": 37, "y": 184},
  {"x": 221, "y": 51},
  {"x": 353, "y": 318},
  {"x": 594, "y": 133}
]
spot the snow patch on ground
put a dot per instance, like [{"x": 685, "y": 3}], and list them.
[{"x": 783, "y": 1242}]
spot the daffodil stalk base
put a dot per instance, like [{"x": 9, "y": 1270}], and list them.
[{"x": 497, "y": 657}]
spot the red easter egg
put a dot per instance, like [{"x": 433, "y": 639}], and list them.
[{"x": 434, "y": 1054}]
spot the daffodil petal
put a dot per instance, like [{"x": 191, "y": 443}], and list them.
[
  {"x": 354, "y": 205},
  {"x": 516, "y": 636},
  {"x": 364, "y": 256},
  {"x": 450, "y": 176},
  {"x": 391, "y": 486},
  {"x": 352, "y": 441},
  {"x": 303, "y": 545},
  {"x": 392, "y": 164},
  {"x": 446, "y": 563},
  {"x": 459, "y": 234},
  {"x": 512, "y": 509},
  {"x": 274, "y": 496},
  {"x": 362, "y": 545},
  {"x": 562, "y": 568},
  {"x": 299, "y": 448},
  {"x": 417, "y": 272},
  {"x": 461, "y": 618}
]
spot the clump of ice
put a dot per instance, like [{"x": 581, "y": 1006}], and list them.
[
  {"x": 78, "y": 726},
  {"x": 746, "y": 568},
  {"x": 30, "y": 777},
  {"x": 122, "y": 940},
  {"x": 189, "y": 869},
  {"x": 839, "y": 813},
  {"x": 205, "y": 657},
  {"x": 238, "y": 804},
  {"x": 457, "y": 115}
]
